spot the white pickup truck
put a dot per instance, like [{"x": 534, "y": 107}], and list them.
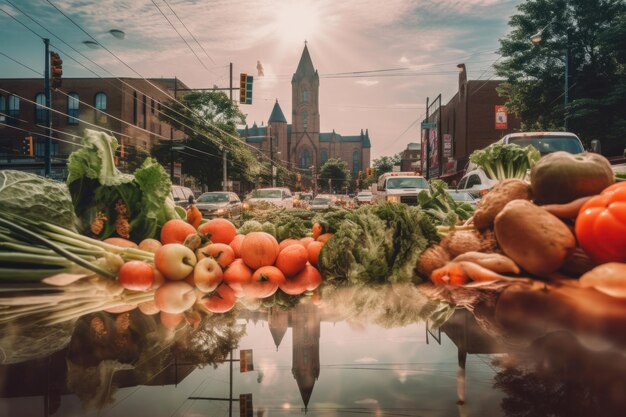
[{"x": 399, "y": 187}]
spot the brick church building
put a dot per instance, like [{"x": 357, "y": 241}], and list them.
[{"x": 300, "y": 144}]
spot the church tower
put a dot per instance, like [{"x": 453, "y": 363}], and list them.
[{"x": 305, "y": 132}]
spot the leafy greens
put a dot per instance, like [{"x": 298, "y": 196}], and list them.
[
  {"x": 377, "y": 244},
  {"x": 501, "y": 161}
]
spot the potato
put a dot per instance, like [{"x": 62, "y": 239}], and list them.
[
  {"x": 495, "y": 200},
  {"x": 536, "y": 240}
]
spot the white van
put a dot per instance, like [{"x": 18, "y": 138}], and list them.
[
  {"x": 278, "y": 196},
  {"x": 181, "y": 195},
  {"x": 399, "y": 187}
]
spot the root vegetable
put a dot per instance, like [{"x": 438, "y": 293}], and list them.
[
  {"x": 536, "y": 240},
  {"x": 495, "y": 200},
  {"x": 433, "y": 258},
  {"x": 566, "y": 210},
  {"x": 609, "y": 278},
  {"x": 492, "y": 261}
]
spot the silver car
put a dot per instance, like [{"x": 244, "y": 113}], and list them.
[{"x": 219, "y": 204}]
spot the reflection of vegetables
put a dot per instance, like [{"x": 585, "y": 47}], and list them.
[
  {"x": 561, "y": 177},
  {"x": 601, "y": 225},
  {"x": 609, "y": 278},
  {"x": 36, "y": 198},
  {"x": 500, "y": 161},
  {"x": 135, "y": 206},
  {"x": 379, "y": 243}
]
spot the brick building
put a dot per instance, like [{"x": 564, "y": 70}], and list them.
[
  {"x": 125, "y": 107},
  {"x": 300, "y": 143},
  {"x": 411, "y": 158},
  {"x": 466, "y": 123}
]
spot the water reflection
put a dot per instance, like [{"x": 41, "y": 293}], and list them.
[{"x": 387, "y": 350}]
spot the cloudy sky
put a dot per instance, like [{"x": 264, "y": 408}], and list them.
[{"x": 378, "y": 60}]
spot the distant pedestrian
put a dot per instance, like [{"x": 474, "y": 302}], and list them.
[{"x": 259, "y": 68}]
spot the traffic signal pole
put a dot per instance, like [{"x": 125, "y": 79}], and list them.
[{"x": 48, "y": 93}]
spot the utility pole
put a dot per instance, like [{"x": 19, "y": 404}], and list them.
[
  {"x": 224, "y": 172},
  {"x": 231, "y": 82},
  {"x": 172, "y": 137},
  {"x": 48, "y": 92}
]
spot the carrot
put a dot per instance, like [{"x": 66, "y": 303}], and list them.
[{"x": 479, "y": 273}]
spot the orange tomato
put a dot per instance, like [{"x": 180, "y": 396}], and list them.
[
  {"x": 306, "y": 240},
  {"x": 307, "y": 280},
  {"x": 292, "y": 259},
  {"x": 265, "y": 282},
  {"x": 324, "y": 237},
  {"x": 236, "y": 245},
  {"x": 601, "y": 225},
  {"x": 136, "y": 276},
  {"x": 289, "y": 242},
  {"x": 194, "y": 217},
  {"x": 176, "y": 231},
  {"x": 237, "y": 273},
  {"x": 259, "y": 249},
  {"x": 317, "y": 230},
  {"x": 220, "y": 230},
  {"x": 313, "y": 250}
]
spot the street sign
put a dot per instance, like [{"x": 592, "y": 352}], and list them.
[{"x": 429, "y": 125}]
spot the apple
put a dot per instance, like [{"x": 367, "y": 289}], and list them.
[
  {"x": 175, "y": 261},
  {"x": 150, "y": 245},
  {"x": 171, "y": 320},
  {"x": 136, "y": 276},
  {"x": 207, "y": 274},
  {"x": 174, "y": 297},
  {"x": 148, "y": 308}
]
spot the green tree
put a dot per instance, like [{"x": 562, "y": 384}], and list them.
[
  {"x": 593, "y": 33},
  {"x": 209, "y": 121},
  {"x": 334, "y": 175},
  {"x": 385, "y": 164}
]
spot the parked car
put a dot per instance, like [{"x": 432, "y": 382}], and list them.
[
  {"x": 463, "y": 197},
  {"x": 322, "y": 202},
  {"x": 302, "y": 199},
  {"x": 476, "y": 182},
  {"x": 546, "y": 142},
  {"x": 219, "y": 204},
  {"x": 280, "y": 197},
  {"x": 363, "y": 197},
  {"x": 181, "y": 195}
]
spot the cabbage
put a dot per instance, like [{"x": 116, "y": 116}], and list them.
[{"x": 36, "y": 198}]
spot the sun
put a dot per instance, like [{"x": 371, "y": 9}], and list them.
[{"x": 297, "y": 21}]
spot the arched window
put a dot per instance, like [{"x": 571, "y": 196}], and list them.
[
  {"x": 305, "y": 158},
  {"x": 72, "y": 108},
  {"x": 305, "y": 96},
  {"x": 100, "y": 103},
  {"x": 305, "y": 120},
  {"x": 14, "y": 109},
  {"x": 356, "y": 161},
  {"x": 323, "y": 156},
  {"x": 3, "y": 108},
  {"x": 40, "y": 108}
]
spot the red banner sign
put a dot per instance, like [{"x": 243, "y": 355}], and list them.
[{"x": 502, "y": 117}]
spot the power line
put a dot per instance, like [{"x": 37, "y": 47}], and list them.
[{"x": 188, "y": 31}]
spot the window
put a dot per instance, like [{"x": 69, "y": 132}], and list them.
[
  {"x": 40, "y": 108},
  {"x": 305, "y": 120},
  {"x": 305, "y": 96},
  {"x": 72, "y": 108},
  {"x": 152, "y": 105},
  {"x": 356, "y": 161},
  {"x": 305, "y": 158},
  {"x": 40, "y": 148},
  {"x": 143, "y": 109},
  {"x": 323, "y": 156},
  {"x": 473, "y": 180},
  {"x": 101, "y": 102},
  {"x": 14, "y": 109},
  {"x": 3, "y": 108},
  {"x": 135, "y": 108}
]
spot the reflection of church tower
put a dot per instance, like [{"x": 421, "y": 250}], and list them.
[
  {"x": 305, "y": 131},
  {"x": 278, "y": 322},
  {"x": 305, "y": 321}
]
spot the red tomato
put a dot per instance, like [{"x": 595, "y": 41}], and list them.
[
  {"x": 601, "y": 225},
  {"x": 223, "y": 299},
  {"x": 136, "y": 275}
]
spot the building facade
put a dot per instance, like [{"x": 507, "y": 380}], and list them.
[
  {"x": 468, "y": 121},
  {"x": 411, "y": 158},
  {"x": 300, "y": 144},
  {"x": 127, "y": 108}
]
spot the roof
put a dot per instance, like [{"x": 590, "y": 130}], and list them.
[
  {"x": 277, "y": 114},
  {"x": 253, "y": 134},
  {"x": 305, "y": 66},
  {"x": 363, "y": 138}
]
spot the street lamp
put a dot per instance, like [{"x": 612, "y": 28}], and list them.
[{"x": 536, "y": 39}]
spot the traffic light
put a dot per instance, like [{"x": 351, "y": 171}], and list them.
[
  {"x": 56, "y": 69},
  {"x": 29, "y": 140},
  {"x": 245, "y": 88},
  {"x": 298, "y": 177},
  {"x": 369, "y": 172}
]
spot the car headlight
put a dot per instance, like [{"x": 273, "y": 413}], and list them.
[
  {"x": 220, "y": 211},
  {"x": 246, "y": 205},
  {"x": 393, "y": 198}
]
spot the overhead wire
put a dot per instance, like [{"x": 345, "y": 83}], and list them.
[{"x": 188, "y": 31}]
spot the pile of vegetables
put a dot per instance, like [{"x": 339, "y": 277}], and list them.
[
  {"x": 110, "y": 203},
  {"x": 377, "y": 244},
  {"x": 441, "y": 207},
  {"x": 501, "y": 161}
]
